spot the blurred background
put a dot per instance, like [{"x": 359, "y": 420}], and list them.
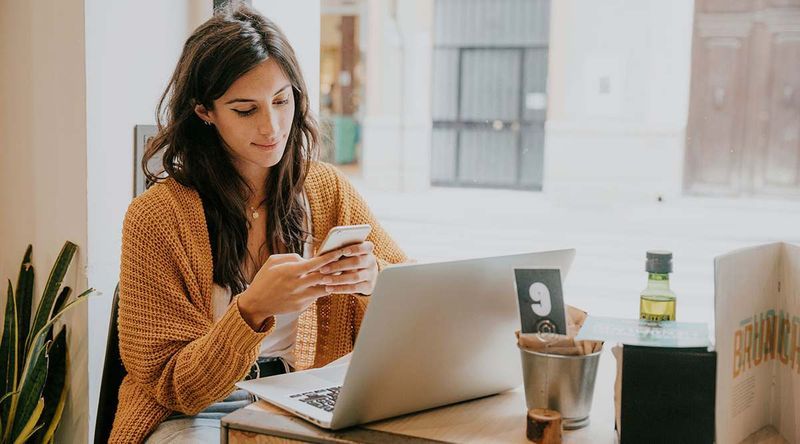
[
  {"x": 472, "y": 128},
  {"x": 479, "y": 127}
]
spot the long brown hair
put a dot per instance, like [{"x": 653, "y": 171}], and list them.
[{"x": 234, "y": 41}]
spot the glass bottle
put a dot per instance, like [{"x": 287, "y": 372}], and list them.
[{"x": 657, "y": 302}]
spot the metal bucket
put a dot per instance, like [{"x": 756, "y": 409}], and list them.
[{"x": 563, "y": 383}]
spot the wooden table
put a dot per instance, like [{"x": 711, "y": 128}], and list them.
[
  {"x": 493, "y": 419},
  {"x": 498, "y": 418}
]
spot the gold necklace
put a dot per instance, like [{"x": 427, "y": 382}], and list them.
[{"x": 255, "y": 214}]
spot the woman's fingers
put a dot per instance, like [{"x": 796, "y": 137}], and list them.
[
  {"x": 350, "y": 263},
  {"x": 311, "y": 279},
  {"x": 346, "y": 278},
  {"x": 316, "y": 278},
  {"x": 313, "y": 264},
  {"x": 290, "y": 258},
  {"x": 355, "y": 273},
  {"x": 363, "y": 248}
]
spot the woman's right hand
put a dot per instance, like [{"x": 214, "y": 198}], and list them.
[{"x": 285, "y": 283}]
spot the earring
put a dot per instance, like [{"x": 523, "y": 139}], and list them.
[{"x": 207, "y": 122}]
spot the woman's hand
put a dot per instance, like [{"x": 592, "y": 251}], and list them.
[
  {"x": 285, "y": 283},
  {"x": 358, "y": 267}
]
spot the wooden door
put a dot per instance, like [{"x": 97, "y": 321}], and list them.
[
  {"x": 743, "y": 133},
  {"x": 778, "y": 159}
]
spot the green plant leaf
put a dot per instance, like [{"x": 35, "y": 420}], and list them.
[
  {"x": 39, "y": 343},
  {"x": 24, "y": 299},
  {"x": 57, "y": 306},
  {"x": 54, "y": 282},
  {"x": 55, "y": 388},
  {"x": 59, "y": 312},
  {"x": 31, "y": 386},
  {"x": 62, "y": 297},
  {"x": 8, "y": 355},
  {"x": 8, "y": 342},
  {"x": 3, "y": 400},
  {"x": 61, "y": 300},
  {"x": 40, "y": 334},
  {"x": 34, "y": 402},
  {"x": 30, "y": 425},
  {"x": 7, "y": 395}
]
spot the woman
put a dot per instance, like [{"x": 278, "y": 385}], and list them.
[{"x": 218, "y": 278}]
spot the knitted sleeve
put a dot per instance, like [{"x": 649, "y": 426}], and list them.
[{"x": 169, "y": 345}]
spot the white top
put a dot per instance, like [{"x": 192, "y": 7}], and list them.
[{"x": 279, "y": 343}]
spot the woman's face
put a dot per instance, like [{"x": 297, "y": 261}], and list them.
[{"x": 254, "y": 116}]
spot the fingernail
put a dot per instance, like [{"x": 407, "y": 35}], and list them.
[
  {"x": 325, "y": 269},
  {"x": 327, "y": 280},
  {"x": 348, "y": 251},
  {"x": 329, "y": 289}
]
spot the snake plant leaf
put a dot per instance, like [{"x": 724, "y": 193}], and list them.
[
  {"x": 24, "y": 301},
  {"x": 61, "y": 300},
  {"x": 55, "y": 388},
  {"x": 57, "y": 306},
  {"x": 33, "y": 368},
  {"x": 54, "y": 282},
  {"x": 2, "y": 401},
  {"x": 8, "y": 354},
  {"x": 40, "y": 337},
  {"x": 30, "y": 426},
  {"x": 7, "y": 395},
  {"x": 62, "y": 309},
  {"x": 30, "y": 388}
]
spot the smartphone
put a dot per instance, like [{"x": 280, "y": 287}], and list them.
[{"x": 342, "y": 236}]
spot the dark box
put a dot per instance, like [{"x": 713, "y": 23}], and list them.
[{"x": 667, "y": 395}]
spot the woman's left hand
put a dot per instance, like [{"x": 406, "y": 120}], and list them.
[{"x": 359, "y": 271}]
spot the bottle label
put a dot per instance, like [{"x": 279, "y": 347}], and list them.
[{"x": 656, "y": 317}]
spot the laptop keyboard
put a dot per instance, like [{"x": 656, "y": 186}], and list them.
[{"x": 322, "y": 399}]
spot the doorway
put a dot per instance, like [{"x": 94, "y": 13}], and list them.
[
  {"x": 743, "y": 133},
  {"x": 489, "y": 92}
]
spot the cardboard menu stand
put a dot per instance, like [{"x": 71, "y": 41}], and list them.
[{"x": 757, "y": 329}]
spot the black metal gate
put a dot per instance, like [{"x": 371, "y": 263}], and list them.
[{"x": 489, "y": 93}]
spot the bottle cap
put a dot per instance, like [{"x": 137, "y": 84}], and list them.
[{"x": 659, "y": 261}]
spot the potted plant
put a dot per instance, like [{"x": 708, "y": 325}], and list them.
[{"x": 33, "y": 361}]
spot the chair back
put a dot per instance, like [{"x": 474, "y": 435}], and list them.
[{"x": 113, "y": 373}]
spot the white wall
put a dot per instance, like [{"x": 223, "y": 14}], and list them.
[
  {"x": 397, "y": 121},
  {"x": 627, "y": 143},
  {"x": 43, "y": 163}
]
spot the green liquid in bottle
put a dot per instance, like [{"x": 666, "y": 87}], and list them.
[
  {"x": 657, "y": 308},
  {"x": 657, "y": 302}
]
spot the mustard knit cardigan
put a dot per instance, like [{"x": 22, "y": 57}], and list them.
[{"x": 176, "y": 356}]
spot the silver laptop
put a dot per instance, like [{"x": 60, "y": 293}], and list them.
[{"x": 433, "y": 334}]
